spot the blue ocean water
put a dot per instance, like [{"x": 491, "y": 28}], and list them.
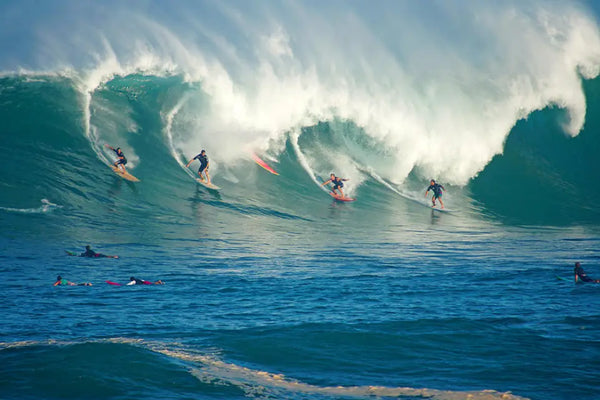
[{"x": 272, "y": 289}]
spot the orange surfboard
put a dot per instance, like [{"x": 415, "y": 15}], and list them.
[{"x": 263, "y": 164}]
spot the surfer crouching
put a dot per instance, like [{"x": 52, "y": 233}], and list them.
[
  {"x": 121, "y": 160},
  {"x": 337, "y": 184}
]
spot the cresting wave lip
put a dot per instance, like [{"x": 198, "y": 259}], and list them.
[
  {"x": 440, "y": 100},
  {"x": 208, "y": 368}
]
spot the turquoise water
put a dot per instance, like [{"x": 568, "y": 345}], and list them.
[{"x": 272, "y": 290}]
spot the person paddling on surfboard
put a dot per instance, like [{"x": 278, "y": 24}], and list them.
[
  {"x": 63, "y": 282},
  {"x": 92, "y": 254},
  {"x": 337, "y": 184},
  {"x": 580, "y": 274},
  {"x": 121, "y": 160},
  {"x": 203, "y": 158},
  {"x": 437, "y": 192},
  {"x": 135, "y": 281}
]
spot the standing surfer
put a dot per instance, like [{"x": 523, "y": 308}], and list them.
[
  {"x": 437, "y": 192},
  {"x": 203, "y": 158},
  {"x": 121, "y": 160},
  {"x": 337, "y": 184}
]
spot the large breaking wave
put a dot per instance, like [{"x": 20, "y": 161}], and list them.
[{"x": 394, "y": 93}]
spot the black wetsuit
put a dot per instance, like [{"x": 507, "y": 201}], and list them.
[
  {"x": 89, "y": 253},
  {"x": 203, "y": 161},
  {"x": 337, "y": 183},
  {"x": 582, "y": 275},
  {"x": 92, "y": 254},
  {"x": 122, "y": 159},
  {"x": 437, "y": 190}
]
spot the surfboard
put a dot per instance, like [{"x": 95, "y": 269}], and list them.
[
  {"x": 340, "y": 198},
  {"x": 119, "y": 284},
  {"x": 124, "y": 175},
  {"x": 73, "y": 254},
  {"x": 444, "y": 210},
  {"x": 207, "y": 185},
  {"x": 263, "y": 164}
]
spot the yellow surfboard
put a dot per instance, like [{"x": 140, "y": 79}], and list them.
[
  {"x": 208, "y": 185},
  {"x": 124, "y": 175}
]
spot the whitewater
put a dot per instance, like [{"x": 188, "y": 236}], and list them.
[{"x": 273, "y": 289}]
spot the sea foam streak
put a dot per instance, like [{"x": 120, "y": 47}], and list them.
[{"x": 209, "y": 369}]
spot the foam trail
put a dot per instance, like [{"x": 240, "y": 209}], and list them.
[
  {"x": 214, "y": 370},
  {"x": 294, "y": 135},
  {"x": 169, "y": 117},
  {"x": 47, "y": 206},
  {"x": 251, "y": 380},
  {"x": 409, "y": 196}
]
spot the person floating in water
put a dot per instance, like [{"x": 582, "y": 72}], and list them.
[
  {"x": 337, "y": 184},
  {"x": 135, "y": 281},
  {"x": 92, "y": 254},
  {"x": 63, "y": 282},
  {"x": 437, "y": 192},
  {"x": 580, "y": 274},
  {"x": 121, "y": 160},
  {"x": 203, "y": 158}
]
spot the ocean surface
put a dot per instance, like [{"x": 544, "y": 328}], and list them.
[{"x": 273, "y": 290}]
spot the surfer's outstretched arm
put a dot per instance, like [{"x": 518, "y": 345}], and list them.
[
  {"x": 189, "y": 162},
  {"x": 326, "y": 182}
]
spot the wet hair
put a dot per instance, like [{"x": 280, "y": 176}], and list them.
[
  {"x": 131, "y": 278},
  {"x": 433, "y": 180},
  {"x": 577, "y": 264},
  {"x": 87, "y": 247},
  {"x": 59, "y": 278},
  {"x": 203, "y": 151}
]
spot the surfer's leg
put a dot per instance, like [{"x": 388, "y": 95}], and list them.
[
  {"x": 441, "y": 202},
  {"x": 207, "y": 176}
]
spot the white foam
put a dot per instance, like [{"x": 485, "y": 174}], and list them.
[
  {"x": 46, "y": 206},
  {"x": 440, "y": 86}
]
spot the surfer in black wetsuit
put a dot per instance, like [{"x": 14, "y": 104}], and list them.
[
  {"x": 121, "y": 160},
  {"x": 203, "y": 158},
  {"x": 92, "y": 254},
  {"x": 337, "y": 184},
  {"x": 437, "y": 192},
  {"x": 580, "y": 274},
  {"x": 135, "y": 281}
]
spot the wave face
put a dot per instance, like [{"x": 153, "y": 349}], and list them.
[
  {"x": 54, "y": 139},
  {"x": 377, "y": 90}
]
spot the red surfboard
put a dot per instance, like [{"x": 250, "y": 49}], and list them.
[
  {"x": 340, "y": 198},
  {"x": 263, "y": 164}
]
